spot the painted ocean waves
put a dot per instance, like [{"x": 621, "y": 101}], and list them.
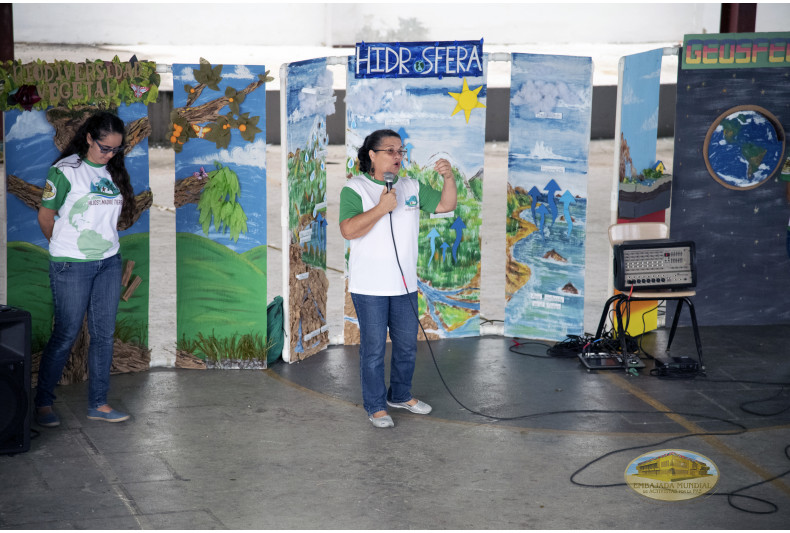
[{"x": 547, "y": 195}]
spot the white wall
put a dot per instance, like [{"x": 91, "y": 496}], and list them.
[
  {"x": 333, "y": 24},
  {"x": 505, "y": 24}
]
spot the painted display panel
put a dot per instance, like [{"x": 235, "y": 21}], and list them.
[
  {"x": 33, "y": 140},
  {"x": 218, "y": 134},
  {"x": 740, "y": 230},
  {"x": 550, "y": 112},
  {"x": 436, "y": 117},
  {"x": 645, "y": 185},
  {"x": 309, "y": 99}
]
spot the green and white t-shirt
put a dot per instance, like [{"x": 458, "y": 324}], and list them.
[
  {"x": 88, "y": 205},
  {"x": 372, "y": 265}
]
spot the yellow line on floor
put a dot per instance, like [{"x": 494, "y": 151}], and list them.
[{"x": 712, "y": 440}]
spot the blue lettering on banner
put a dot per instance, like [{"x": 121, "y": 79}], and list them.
[{"x": 419, "y": 59}]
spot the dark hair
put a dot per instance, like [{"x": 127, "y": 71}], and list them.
[
  {"x": 372, "y": 142},
  {"x": 99, "y": 125}
]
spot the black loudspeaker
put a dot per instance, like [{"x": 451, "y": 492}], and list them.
[{"x": 15, "y": 363}]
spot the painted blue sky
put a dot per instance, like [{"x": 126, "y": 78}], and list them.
[
  {"x": 423, "y": 108},
  {"x": 246, "y": 159},
  {"x": 639, "y": 112},
  {"x": 310, "y": 93},
  {"x": 551, "y": 98}
]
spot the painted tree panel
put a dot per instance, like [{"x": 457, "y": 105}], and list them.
[
  {"x": 218, "y": 134},
  {"x": 31, "y": 139}
]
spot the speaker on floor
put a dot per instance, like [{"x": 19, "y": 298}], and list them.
[{"x": 15, "y": 363}]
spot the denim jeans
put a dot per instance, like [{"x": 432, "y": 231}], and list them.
[
  {"x": 376, "y": 314},
  {"x": 77, "y": 287}
]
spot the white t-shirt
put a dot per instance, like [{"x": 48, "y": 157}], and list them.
[
  {"x": 372, "y": 264},
  {"x": 88, "y": 205}
]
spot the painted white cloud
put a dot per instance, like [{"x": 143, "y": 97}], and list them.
[
  {"x": 544, "y": 97},
  {"x": 29, "y": 124},
  {"x": 241, "y": 72},
  {"x": 319, "y": 101},
  {"x": 651, "y": 123},
  {"x": 368, "y": 99},
  {"x": 186, "y": 75},
  {"x": 630, "y": 97},
  {"x": 251, "y": 154},
  {"x": 137, "y": 151},
  {"x": 651, "y": 75}
]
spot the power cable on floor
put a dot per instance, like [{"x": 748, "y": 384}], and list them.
[{"x": 739, "y": 428}]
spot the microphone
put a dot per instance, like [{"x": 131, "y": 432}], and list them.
[{"x": 389, "y": 177}]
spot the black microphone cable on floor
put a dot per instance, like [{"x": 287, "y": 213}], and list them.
[{"x": 739, "y": 429}]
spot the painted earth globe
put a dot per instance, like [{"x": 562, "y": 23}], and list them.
[{"x": 744, "y": 147}]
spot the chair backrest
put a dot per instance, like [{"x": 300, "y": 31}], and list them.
[{"x": 637, "y": 231}]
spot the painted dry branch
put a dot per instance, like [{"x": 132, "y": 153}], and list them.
[
  {"x": 188, "y": 191},
  {"x": 27, "y": 193},
  {"x": 209, "y": 112},
  {"x": 127, "y": 272},
  {"x": 30, "y": 195},
  {"x": 67, "y": 121},
  {"x": 187, "y": 360},
  {"x": 136, "y": 131},
  {"x": 133, "y": 287},
  {"x": 195, "y": 94}
]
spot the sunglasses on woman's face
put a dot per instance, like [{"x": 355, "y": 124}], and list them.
[{"x": 108, "y": 149}]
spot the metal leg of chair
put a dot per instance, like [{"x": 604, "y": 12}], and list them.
[
  {"x": 675, "y": 322},
  {"x": 695, "y": 327}
]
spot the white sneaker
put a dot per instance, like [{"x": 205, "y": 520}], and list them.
[
  {"x": 420, "y": 408},
  {"x": 382, "y": 421}
]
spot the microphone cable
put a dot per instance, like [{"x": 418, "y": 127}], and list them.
[{"x": 738, "y": 429}]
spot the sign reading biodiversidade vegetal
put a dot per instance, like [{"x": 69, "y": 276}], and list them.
[
  {"x": 419, "y": 59},
  {"x": 736, "y": 50},
  {"x": 40, "y": 84}
]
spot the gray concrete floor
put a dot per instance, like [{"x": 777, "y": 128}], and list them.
[{"x": 290, "y": 447}]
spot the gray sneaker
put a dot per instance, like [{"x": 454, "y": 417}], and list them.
[
  {"x": 382, "y": 421},
  {"x": 420, "y": 408}
]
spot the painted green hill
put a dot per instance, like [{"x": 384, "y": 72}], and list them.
[{"x": 221, "y": 294}]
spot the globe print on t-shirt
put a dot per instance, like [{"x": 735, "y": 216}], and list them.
[{"x": 744, "y": 149}]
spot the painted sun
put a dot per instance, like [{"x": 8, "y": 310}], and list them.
[{"x": 467, "y": 100}]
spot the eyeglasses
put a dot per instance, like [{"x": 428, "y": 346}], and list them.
[
  {"x": 393, "y": 152},
  {"x": 108, "y": 149}
]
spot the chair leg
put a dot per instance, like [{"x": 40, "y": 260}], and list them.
[
  {"x": 696, "y": 332},
  {"x": 675, "y": 321}
]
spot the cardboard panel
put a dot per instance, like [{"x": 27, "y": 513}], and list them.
[
  {"x": 551, "y": 103},
  {"x": 220, "y": 197}
]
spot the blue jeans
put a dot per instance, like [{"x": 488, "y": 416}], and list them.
[
  {"x": 376, "y": 314},
  {"x": 77, "y": 287}
]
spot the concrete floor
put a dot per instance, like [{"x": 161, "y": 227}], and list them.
[{"x": 290, "y": 447}]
